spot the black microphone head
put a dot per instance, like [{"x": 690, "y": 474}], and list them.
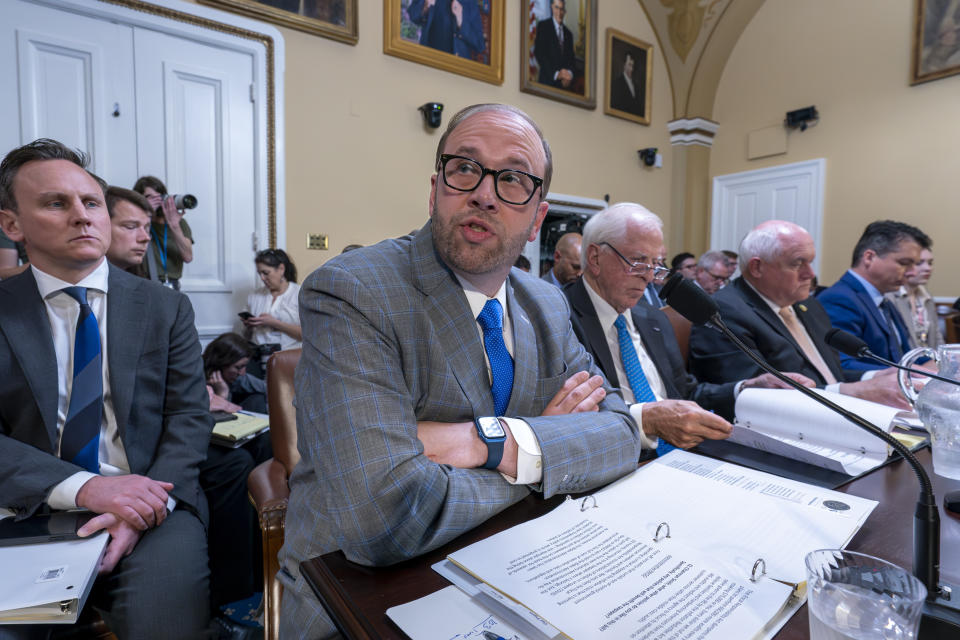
[
  {"x": 689, "y": 300},
  {"x": 846, "y": 343}
]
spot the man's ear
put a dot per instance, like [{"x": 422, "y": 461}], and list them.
[
  {"x": 755, "y": 268},
  {"x": 593, "y": 259},
  {"x": 10, "y": 223},
  {"x": 541, "y": 214}
]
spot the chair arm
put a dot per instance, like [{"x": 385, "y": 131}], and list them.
[{"x": 268, "y": 486}]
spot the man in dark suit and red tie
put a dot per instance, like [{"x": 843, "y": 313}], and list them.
[{"x": 553, "y": 49}]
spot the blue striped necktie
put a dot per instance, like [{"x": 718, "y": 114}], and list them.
[
  {"x": 501, "y": 364},
  {"x": 80, "y": 440},
  {"x": 635, "y": 376}
]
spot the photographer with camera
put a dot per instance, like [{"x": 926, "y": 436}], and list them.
[{"x": 171, "y": 237}]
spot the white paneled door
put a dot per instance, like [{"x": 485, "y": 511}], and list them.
[{"x": 741, "y": 201}]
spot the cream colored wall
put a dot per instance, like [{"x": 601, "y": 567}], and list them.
[
  {"x": 891, "y": 149},
  {"x": 358, "y": 158}
]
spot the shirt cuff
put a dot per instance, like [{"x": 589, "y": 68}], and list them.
[
  {"x": 64, "y": 495},
  {"x": 646, "y": 442},
  {"x": 833, "y": 388},
  {"x": 870, "y": 373},
  {"x": 529, "y": 455},
  {"x": 171, "y": 503}
]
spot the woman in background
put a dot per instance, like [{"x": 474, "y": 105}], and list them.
[
  {"x": 916, "y": 306},
  {"x": 273, "y": 308}
]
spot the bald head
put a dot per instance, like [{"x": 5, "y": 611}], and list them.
[
  {"x": 566, "y": 258},
  {"x": 775, "y": 257}
]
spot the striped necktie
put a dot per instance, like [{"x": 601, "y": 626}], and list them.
[
  {"x": 80, "y": 440},
  {"x": 635, "y": 376},
  {"x": 501, "y": 364}
]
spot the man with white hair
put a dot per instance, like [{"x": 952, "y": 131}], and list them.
[
  {"x": 634, "y": 344},
  {"x": 712, "y": 273},
  {"x": 769, "y": 307}
]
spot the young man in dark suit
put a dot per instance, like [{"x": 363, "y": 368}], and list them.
[{"x": 102, "y": 401}]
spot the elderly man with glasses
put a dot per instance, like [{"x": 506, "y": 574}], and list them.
[
  {"x": 415, "y": 351},
  {"x": 712, "y": 272},
  {"x": 634, "y": 344}
]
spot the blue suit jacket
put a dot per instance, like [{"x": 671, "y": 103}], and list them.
[
  {"x": 439, "y": 27},
  {"x": 389, "y": 340},
  {"x": 852, "y": 309}
]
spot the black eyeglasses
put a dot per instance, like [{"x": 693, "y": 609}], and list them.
[
  {"x": 464, "y": 174},
  {"x": 722, "y": 278},
  {"x": 640, "y": 268}
]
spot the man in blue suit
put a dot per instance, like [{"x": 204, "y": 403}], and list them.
[
  {"x": 886, "y": 251},
  {"x": 438, "y": 385},
  {"x": 452, "y": 26}
]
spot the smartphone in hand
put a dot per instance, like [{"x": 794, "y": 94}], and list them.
[{"x": 245, "y": 315}]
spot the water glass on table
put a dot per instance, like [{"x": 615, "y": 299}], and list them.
[{"x": 854, "y": 596}]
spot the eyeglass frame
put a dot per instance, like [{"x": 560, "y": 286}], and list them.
[
  {"x": 722, "y": 279},
  {"x": 496, "y": 173},
  {"x": 659, "y": 271}
]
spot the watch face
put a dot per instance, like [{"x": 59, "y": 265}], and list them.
[{"x": 491, "y": 428}]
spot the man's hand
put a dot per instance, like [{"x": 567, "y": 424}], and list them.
[
  {"x": 581, "y": 392},
  {"x": 170, "y": 212},
  {"x": 683, "y": 423},
  {"x": 565, "y": 76},
  {"x": 123, "y": 538},
  {"x": 882, "y": 388},
  {"x": 457, "y": 10},
  {"x": 770, "y": 381},
  {"x": 138, "y": 500}
]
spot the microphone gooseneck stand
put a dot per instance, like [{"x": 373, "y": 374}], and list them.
[
  {"x": 694, "y": 304},
  {"x": 854, "y": 347}
]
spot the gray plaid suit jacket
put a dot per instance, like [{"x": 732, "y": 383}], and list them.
[{"x": 389, "y": 340}]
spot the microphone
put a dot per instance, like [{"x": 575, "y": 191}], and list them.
[
  {"x": 687, "y": 298},
  {"x": 854, "y": 347}
]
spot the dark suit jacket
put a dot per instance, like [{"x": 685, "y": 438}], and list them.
[
  {"x": 852, "y": 309},
  {"x": 658, "y": 339},
  {"x": 156, "y": 380},
  {"x": 550, "y": 56},
  {"x": 623, "y": 100},
  {"x": 714, "y": 358},
  {"x": 439, "y": 27}
]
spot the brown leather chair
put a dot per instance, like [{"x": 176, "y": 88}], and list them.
[
  {"x": 267, "y": 483},
  {"x": 681, "y": 327}
]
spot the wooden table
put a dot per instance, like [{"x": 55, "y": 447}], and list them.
[{"x": 357, "y": 597}]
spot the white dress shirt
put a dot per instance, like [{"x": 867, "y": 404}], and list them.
[
  {"x": 529, "y": 456},
  {"x": 607, "y": 315},
  {"x": 285, "y": 308}
]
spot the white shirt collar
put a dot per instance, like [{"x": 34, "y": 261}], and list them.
[
  {"x": 48, "y": 284},
  {"x": 770, "y": 303},
  {"x": 606, "y": 314},
  {"x": 476, "y": 298}
]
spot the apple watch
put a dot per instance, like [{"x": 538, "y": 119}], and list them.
[{"x": 492, "y": 434}]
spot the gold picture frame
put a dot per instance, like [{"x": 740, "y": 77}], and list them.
[
  {"x": 334, "y": 19},
  {"x": 474, "y": 48},
  {"x": 543, "y": 73},
  {"x": 936, "y": 41},
  {"x": 627, "y": 56}
]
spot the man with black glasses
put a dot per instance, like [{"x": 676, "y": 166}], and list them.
[
  {"x": 712, "y": 273},
  {"x": 414, "y": 352},
  {"x": 634, "y": 344}
]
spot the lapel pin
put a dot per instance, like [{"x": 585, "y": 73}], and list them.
[{"x": 802, "y": 308}]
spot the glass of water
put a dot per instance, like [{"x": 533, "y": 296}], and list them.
[{"x": 854, "y": 596}]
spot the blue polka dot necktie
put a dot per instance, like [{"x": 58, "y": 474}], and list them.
[
  {"x": 501, "y": 364},
  {"x": 80, "y": 440},
  {"x": 635, "y": 376}
]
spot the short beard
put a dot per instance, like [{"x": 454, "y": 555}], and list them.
[{"x": 474, "y": 260}]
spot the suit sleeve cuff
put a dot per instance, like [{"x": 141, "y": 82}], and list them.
[
  {"x": 529, "y": 455},
  {"x": 646, "y": 442},
  {"x": 64, "y": 495}
]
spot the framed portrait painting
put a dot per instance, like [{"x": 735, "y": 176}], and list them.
[
  {"x": 936, "y": 40},
  {"x": 629, "y": 73},
  {"x": 460, "y": 36},
  {"x": 558, "y": 50},
  {"x": 336, "y": 19}
]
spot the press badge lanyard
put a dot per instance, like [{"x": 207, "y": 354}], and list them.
[{"x": 162, "y": 250}]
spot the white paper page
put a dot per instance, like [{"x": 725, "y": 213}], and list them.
[
  {"x": 36, "y": 574},
  {"x": 787, "y": 413},
  {"x": 585, "y": 573},
  {"x": 449, "y": 614},
  {"x": 840, "y": 460},
  {"x": 740, "y": 514}
]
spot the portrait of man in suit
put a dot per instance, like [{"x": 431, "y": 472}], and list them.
[
  {"x": 628, "y": 77},
  {"x": 554, "y": 49},
  {"x": 415, "y": 352},
  {"x": 102, "y": 402},
  {"x": 451, "y": 26}
]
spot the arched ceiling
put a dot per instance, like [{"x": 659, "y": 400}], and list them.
[{"x": 696, "y": 38}]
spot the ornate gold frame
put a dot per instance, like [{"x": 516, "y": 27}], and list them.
[
  {"x": 919, "y": 33},
  {"x": 348, "y": 33},
  {"x": 394, "y": 45},
  {"x": 647, "y": 48},
  {"x": 587, "y": 33},
  {"x": 271, "y": 89}
]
